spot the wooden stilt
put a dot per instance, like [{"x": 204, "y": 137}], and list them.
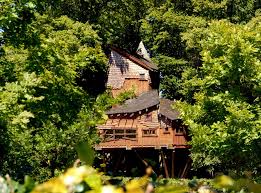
[
  {"x": 187, "y": 166},
  {"x": 164, "y": 164},
  {"x": 173, "y": 163},
  {"x": 118, "y": 162},
  {"x": 143, "y": 161},
  {"x": 104, "y": 161},
  {"x": 180, "y": 172},
  {"x": 160, "y": 161}
]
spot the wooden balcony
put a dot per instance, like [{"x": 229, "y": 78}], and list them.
[{"x": 128, "y": 138}]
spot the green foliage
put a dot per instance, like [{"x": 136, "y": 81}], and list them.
[
  {"x": 117, "y": 21},
  {"x": 236, "y": 11},
  {"x": 44, "y": 113},
  {"x": 14, "y": 19},
  {"x": 163, "y": 30},
  {"x": 52, "y": 68},
  {"x": 87, "y": 179},
  {"x": 105, "y": 101},
  {"x": 171, "y": 70},
  {"x": 85, "y": 153},
  {"x": 222, "y": 108}
]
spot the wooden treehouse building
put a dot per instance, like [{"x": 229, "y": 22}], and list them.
[{"x": 145, "y": 129}]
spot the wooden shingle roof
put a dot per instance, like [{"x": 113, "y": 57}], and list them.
[
  {"x": 136, "y": 59},
  {"x": 144, "y": 101},
  {"x": 167, "y": 110}
]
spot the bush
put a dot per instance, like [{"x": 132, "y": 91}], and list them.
[{"x": 87, "y": 179}]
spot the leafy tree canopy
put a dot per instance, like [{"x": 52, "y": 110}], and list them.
[
  {"x": 163, "y": 27},
  {"x": 44, "y": 113},
  {"x": 223, "y": 105}
]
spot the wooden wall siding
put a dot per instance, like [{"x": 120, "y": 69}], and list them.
[
  {"x": 179, "y": 134},
  {"x": 179, "y": 140},
  {"x": 139, "y": 86},
  {"x": 123, "y": 74},
  {"x": 162, "y": 139},
  {"x": 162, "y": 134}
]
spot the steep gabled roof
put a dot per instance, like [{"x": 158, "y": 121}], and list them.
[
  {"x": 144, "y": 101},
  {"x": 166, "y": 109},
  {"x": 136, "y": 59},
  {"x": 142, "y": 51}
]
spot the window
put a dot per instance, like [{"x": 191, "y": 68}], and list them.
[
  {"x": 109, "y": 131},
  {"x": 142, "y": 76},
  {"x": 149, "y": 132},
  {"x": 166, "y": 130},
  {"x": 119, "y": 131},
  {"x": 180, "y": 129},
  {"x": 130, "y": 133}
]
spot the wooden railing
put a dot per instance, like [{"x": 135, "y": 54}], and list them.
[
  {"x": 109, "y": 134},
  {"x": 130, "y": 137}
]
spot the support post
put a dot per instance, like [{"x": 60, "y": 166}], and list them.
[
  {"x": 143, "y": 161},
  {"x": 164, "y": 164},
  {"x": 104, "y": 161},
  {"x": 185, "y": 171},
  {"x": 173, "y": 163},
  {"x": 118, "y": 162}
]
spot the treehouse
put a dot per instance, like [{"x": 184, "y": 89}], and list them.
[
  {"x": 145, "y": 127},
  {"x": 142, "y": 122}
]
